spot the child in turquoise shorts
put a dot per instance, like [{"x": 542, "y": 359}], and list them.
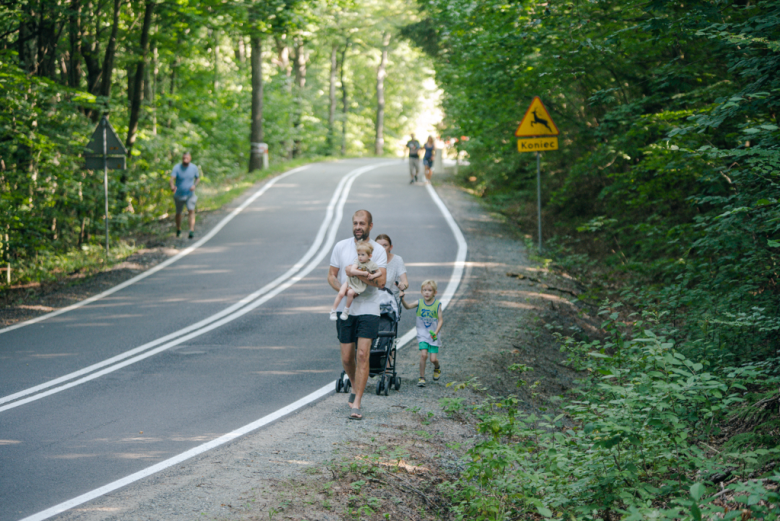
[{"x": 429, "y": 323}]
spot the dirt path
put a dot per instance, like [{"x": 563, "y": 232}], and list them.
[{"x": 317, "y": 464}]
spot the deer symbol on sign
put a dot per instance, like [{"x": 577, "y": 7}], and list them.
[{"x": 539, "y": 120}]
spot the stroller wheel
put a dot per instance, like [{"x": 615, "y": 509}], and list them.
[
  {"x": 379, "y": 385},
  {"x": 338, "y": 385},
  {"x": 397, "y": 383},
  {"x": 386, "y": 385}
]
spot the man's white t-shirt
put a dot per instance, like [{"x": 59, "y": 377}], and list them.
[{"x": 344, "y": 254}]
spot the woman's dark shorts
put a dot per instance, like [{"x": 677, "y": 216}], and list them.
[
  {"x": 354, "y": 327},
  {"x": 428, "y": 163}
]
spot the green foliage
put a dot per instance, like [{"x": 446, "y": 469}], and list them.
[
  {"x": 636, "y": 435},
  {"x": 670, "y": 147},
  {"x": 196, "y": 96}
]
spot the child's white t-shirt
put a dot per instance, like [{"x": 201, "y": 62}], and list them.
[{"x": 344, "y": 254}]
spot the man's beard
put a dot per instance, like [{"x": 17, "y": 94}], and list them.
[{"x": 362, "y": 236}]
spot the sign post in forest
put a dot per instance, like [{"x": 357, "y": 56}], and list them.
[
  {"x": 107, "y": 151},
  {"x": 539, "y": 135}
]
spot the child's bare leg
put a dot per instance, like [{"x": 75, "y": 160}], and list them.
[
  {"x": 435, "y": 360},
  {"x": 350, "y": 297},
  {"x": 423, "y": 359},
  {"x": 342, "y": 292}
]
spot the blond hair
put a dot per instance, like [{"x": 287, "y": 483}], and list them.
[
  {"x": 431, "y": 283},
  {"x": 365, "y": 247}
]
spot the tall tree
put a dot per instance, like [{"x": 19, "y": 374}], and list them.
[
  {"x": 334, "y": 68},
  {"x": 381, "y": 74},
  {"x": 300, "y": 58},
  {"x": 256, "y": 135},
  {"x": 74, "y": 36},
  {"x": 135, "y": 102},
  {"x": 344, "y": 99},
  {"x": 108, "y": 59}
]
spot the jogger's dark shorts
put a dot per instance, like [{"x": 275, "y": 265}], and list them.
[{"x": 354, "y": 327}]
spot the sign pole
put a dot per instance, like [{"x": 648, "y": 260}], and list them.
[
  {"x": 539, "y": 135},
  {"x": 539, "y": 196},
  {"x": 105, "y": 179}
]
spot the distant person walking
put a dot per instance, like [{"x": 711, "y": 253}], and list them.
[
  {"x": 362, "y": 325},
  {"x": 414, "y": 158},
  {"x": 430, "y": 153},
  {"x": 184, "y": 178}
]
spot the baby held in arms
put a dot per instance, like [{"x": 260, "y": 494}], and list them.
[{"x": 353, "y": 286}]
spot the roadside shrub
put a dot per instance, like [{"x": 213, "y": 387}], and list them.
[{"x": 634, "y": 441}]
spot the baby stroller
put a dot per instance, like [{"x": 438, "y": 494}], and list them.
[{"x": 381, "y": 361}]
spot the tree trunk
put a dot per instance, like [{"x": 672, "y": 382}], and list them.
[
  {"x": 63, "y": 63},
  {"x": 214, "y": 35},
  {"x": 147, "y": 84},
  {"x": 300, "y": 82},
  {"x": 153, "y": 98},
  {"x": 135, "y": 103},
  {"x": 283, "y": 63},
  {"x": 256, "y": 134},
  {"x": 47, "y": 37},
  {"x": 334, "y": 66},
  {"x": 240, "y": 51},
  {"x": 108, "y": 60},
  {"x": 381, "y": 73},
  {"x": 130, "y": 85},
  {"x": 344, "y": 106},
  {"x": 26, "y": 41},
  {"x": 90, "y": 50},
  {"x": 74, "y": 65},
  {"x": 174, "y": 66}
]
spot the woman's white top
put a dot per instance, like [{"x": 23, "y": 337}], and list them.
[{"x": 395, "y": 268}]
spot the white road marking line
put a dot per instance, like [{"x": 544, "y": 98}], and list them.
[
  {"x": 163, "y": 264},
  {"x": 457, "y": 270},
  {"x": 239, "y": 309},
  {"x": 184, "y": 456},
  {"x": 452, "y": 286}
]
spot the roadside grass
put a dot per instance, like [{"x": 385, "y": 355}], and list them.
[
  {"x": 76, "y": 264},
  {"x": 389, "y": 476}
]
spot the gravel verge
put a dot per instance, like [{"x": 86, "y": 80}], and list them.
[{"x": 317, "y": 464}]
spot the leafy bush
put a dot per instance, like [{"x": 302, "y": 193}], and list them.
[{"x": 636, "y": 437}]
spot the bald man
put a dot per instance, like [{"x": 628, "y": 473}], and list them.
[
  {"x": 362, "y": 326},
  {"x": 184, "y": 179}
]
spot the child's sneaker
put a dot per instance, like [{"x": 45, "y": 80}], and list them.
[
  {"x": 436, "y": 373},
  {"x": 421, "y": 382},
  {"x": 345, "y": 314},
  {"x": 333, "y": 315}
]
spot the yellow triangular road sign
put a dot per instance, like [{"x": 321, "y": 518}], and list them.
[{"x": 537, "y": 121}]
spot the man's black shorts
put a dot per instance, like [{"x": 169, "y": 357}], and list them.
[{"x": 354, "y": 327}]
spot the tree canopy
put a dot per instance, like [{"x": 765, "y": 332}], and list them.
[
  {"x": 664, "y": 195},
  {"x": 179, "y": 75}
]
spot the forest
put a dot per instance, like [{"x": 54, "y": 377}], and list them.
[
  {"x": 662, "y": 200},
  {"x": 310, "y": 78}
]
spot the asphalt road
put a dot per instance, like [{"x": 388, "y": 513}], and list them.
[{"x": 70, "y": 442}]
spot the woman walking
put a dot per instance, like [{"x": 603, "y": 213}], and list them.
[
  {"x": 396, "y": 271},
  {"x": 430, "y": 153}
]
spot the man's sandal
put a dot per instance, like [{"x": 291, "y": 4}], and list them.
[
  {"x": 355, "y": 414},
  {"x": 351, "y": 399}
]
